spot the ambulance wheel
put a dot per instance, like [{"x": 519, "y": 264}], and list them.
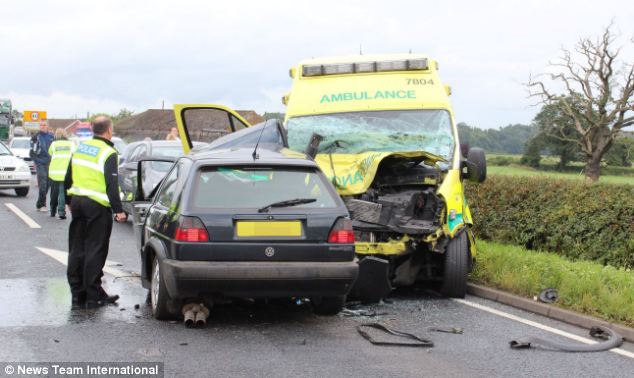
[{"x": 456, "y": 267}]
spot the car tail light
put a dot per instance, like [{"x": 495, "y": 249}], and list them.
[
  {"x": 342, "y": 232},
  {"x": 191, "y": 229}
]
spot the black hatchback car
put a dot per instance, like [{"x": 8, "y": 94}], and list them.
[{"x": 242, "y": 223}]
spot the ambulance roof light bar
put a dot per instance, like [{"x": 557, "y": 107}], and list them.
[{"x": 360, "y": 67}]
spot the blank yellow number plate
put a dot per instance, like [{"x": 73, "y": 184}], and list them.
[{"x": 267, "y": 229}]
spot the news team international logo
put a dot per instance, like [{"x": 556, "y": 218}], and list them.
[{"x": 9, "y": 370}]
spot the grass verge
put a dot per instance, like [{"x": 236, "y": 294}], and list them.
[
  {"x": 586, "y": 287},
  {"x": 520, "y": 170}
]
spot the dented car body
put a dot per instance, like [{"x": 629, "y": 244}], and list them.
[
  {"x": 382, "y": 130},
  {"x": 391, "y": 148}
]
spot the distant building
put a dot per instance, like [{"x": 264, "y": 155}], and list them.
[{"x": 156, "y": 123}]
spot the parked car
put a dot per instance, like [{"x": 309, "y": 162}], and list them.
[
  {"x": 153, "y": 174},
  {"x": 20, "y": 147},
  {"x": 119, "y": 144},
  {"x": 229, "y": 223},
  {"x": 14, "y": 172}
]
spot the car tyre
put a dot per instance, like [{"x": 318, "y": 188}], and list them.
[
  {"x": 456, "y": 267},
  {"x": 159, "y": 298},
  {"x": 21, "y": 192},
  {"x": 328, "y": 305}
]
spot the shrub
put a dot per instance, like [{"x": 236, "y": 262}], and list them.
[{"x": 591, "y": 222}]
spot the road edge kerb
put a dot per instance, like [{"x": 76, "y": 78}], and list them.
[{"x": 547, "y": 310}]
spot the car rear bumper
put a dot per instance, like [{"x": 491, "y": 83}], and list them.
[{"x": 185, "y": 279}]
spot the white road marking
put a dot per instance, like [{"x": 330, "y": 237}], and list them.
[
  {"x": 16, "y": 210},
  {"x": 544, "y": 327},
  {"x": 62, "y": 257}
]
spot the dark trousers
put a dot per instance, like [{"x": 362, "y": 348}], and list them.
[
  {"x": 42, "y": 184},
  {"x": 58, "y": 198},
  {"x": 88, "y": 240}
]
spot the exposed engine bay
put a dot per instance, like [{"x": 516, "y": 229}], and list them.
[
  {"x": 401, "y": 205},
  {"x": 402, "y": 200}
]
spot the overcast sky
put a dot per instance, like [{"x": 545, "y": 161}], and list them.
[{"x": 73, "y": 57}]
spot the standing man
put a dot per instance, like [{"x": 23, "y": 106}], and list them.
[
  {"x": 60, "y": 150},
  {"x": 40, "y": 143},
  {"x": 94, "y": 186}
]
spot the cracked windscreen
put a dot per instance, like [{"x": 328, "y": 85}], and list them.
[{"x": 381, "y": 131}]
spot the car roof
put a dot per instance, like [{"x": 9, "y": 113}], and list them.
[
  {"x": 245, "y": 156},
  {"x": 20, "y": 137}
]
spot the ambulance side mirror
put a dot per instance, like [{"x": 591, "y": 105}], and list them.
[{"x": 475, "y": 165}]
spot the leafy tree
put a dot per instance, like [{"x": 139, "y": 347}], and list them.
[
  {"x": 507, "y": 139},
  {"x": 621, "y": 153},
  {"x": 606, "y": 88},
  {"x": 557, "y": 132},
  {"x": 532, "y": 155},
  {"x": 123, "y": 113}
]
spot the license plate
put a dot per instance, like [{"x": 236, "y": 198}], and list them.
[
  {"x": 6, "y": 177},
  {"x": 269, "y": 229}
]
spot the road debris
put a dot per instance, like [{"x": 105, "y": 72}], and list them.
[
  {"x": 549, "y": 295},
  {"x": 454, "y": 330},
  {"x": 612, "y": 340},
  {"x": 360, "y": 312},
  {"x": 416, "y": 340}
]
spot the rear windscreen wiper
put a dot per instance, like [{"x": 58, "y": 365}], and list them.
[{"x": 292, "y": 202}]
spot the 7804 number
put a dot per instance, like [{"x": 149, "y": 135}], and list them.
[{"x": 420, "y": 81}]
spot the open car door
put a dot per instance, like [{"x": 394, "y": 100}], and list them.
[{"x": 206, "y": 123}]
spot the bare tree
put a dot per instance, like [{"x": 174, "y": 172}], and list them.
[{"x": 604, "y": 86}]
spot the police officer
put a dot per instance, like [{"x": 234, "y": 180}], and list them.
[
  {"x": 60, "y": 150},
  {"x": 92, "y": 180}
]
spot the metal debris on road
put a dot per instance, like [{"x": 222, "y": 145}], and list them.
[
  {"x": 348, "y": 312},
  {"x": 454, "y": 330},
  {"x": 416, "y": 340},
  {"x": 612, "y": 340}
]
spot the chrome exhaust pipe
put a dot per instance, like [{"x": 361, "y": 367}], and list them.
[{"x": 201, "y": 316}]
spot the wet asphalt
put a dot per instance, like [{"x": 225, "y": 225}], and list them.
[{"x": 244, "y": 339}]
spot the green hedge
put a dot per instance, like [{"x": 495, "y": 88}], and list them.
[{"x": 591, "y": 222}]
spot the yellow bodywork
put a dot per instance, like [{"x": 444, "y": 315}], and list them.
[
  {"x": 180, "y": 120},
  {"x": 376, "y": 91}
]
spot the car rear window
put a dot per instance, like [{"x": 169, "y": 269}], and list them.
[{"x": 256, "y": 187}]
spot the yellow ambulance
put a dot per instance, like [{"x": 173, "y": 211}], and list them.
[{"x": 388, "y": 141}]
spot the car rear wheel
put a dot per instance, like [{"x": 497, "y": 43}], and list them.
[
  {"x": 21, "y": 192},
  {"x": 454, "y": 281},
  {"x": 158, "y": 293},
  {"x": 328, "y": 305}
]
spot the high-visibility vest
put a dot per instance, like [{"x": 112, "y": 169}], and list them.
[
  {"x": 60, "y": 151},
  {"x": 88, "y": 165}
]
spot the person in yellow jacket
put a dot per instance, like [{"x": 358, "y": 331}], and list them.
[
  {"x": 93, "y": 187},
  {"x": 60, "y": 150}
]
